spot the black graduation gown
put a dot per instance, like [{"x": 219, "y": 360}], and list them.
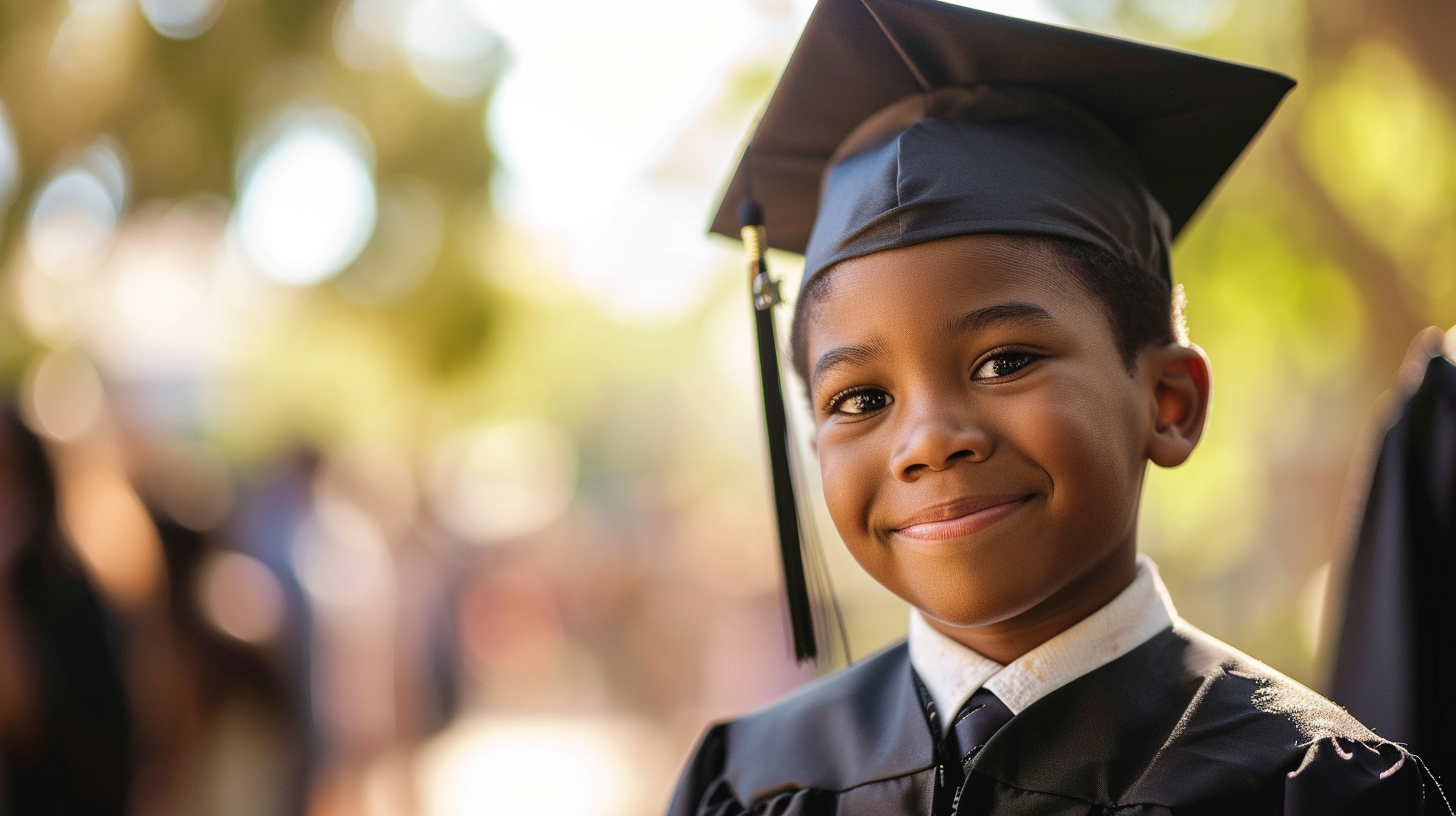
[
  {"x": 1395, "y": 666},
  {"x": 1181, "y": 725}
]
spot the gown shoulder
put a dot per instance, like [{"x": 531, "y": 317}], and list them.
[
  {"x": 1183, "y": 725},
  {"x": 837, "y": 736},
  {"x": 1186, "y": 724}
]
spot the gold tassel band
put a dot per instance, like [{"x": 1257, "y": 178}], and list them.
[{"x": 765, "y": 289}]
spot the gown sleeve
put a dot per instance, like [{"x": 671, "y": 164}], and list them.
[
  {"x": 1342, "y": 777},
  {"x": 704, "y": 789},
  {"x": 704, "y": 771}
]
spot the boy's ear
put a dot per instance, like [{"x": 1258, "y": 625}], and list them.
[{"x": 1182, "y": 388}]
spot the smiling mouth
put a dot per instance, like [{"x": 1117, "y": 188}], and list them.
[{"x": 960, "y": 518}]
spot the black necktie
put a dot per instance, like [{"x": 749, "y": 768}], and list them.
[{"x": 981, "y": 716}]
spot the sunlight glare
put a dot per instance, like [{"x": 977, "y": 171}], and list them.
[
  {"x": 504, "y": 767},
  {"x": 1037, "y": 10},
  {"x": 613, "y": 135},
  {"x": 448, "y": 50},
  {"x": 307, "y": 208}
]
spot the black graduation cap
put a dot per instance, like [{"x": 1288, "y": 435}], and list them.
[{"x": 901, "y": 121}]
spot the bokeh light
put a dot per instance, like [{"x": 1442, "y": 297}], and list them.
[
  {"x": 161, "y": 310},
  {"x": 241, "y": 597},
  {"x": 9, "y": 161},
  {"x": 407, "y": 241},
  {"x": 111, "y": 530},
  {"x": 181, "y": 19},
  {"x": 505, "y": 766},
  {"x": 92, "y": 38},
  {"x": 342, "y": 558},
  {"x": 500, "y": 482},
  {"x": 307, "y": 205},
  {"x": 63, "y": 397},
  {"x": 365, "y": 32},
  {"x": 616, "y": 224},
  {"x": 75, "y": 214},
  {"x": 448, "y": 50},
  {"x": 1188, "y": 18}
]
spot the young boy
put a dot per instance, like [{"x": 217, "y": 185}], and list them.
[{"x": 990, "y": 344}]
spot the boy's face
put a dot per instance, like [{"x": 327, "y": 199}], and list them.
[{"x": 981, "y": 441}]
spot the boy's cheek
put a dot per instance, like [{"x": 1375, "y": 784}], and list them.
[
  {"x": 845, "y": 483},
  {"x": 853, "y": 476},
  {"x": 1084, "y": 423},
  {"x": 1092, "y": 454}
]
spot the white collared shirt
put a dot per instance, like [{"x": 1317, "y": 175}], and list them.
[{"x": 953, "y": 672}]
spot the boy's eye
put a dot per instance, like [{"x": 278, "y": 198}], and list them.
[
  {"x": 860, "y": 401},
  {"x": 1003, "y": 364}
]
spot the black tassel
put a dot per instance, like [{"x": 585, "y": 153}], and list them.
[{"x": 765, "y": 297}]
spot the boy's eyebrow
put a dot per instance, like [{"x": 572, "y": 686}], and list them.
[
  {"x": 842, "y": 355},
  {"x": 1015, "y": 312}
]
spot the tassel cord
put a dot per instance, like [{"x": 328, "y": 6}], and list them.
[{"x": 801, "y": 610}]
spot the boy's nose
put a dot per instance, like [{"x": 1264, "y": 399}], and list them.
[{"x": 935, "y": 440}]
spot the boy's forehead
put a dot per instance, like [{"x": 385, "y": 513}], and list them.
[{"x": 937, "y": 283}]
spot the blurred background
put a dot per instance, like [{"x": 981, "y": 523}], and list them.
[{"x": 380, "y": 431}]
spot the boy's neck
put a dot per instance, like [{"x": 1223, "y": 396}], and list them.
[{"x": 1006, "y": 641}]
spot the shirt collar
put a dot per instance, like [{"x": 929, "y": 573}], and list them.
[{"x": 952, "y": 672}]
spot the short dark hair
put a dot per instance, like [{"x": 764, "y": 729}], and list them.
[{"x": 1138, "y": 302}]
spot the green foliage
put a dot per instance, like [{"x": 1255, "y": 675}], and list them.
[
  {"x": 184, "y": 113},
  {"x": 1382, "y": 140}
]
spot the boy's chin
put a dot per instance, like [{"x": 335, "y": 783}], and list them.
[{"x": 976, "y": 612}]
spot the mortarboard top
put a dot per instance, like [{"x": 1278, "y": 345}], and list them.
[
  {"x": 903, "y": 121},
  {"x": 1184, "y": 117}
]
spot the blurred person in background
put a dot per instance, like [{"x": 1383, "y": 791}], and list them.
[
  {"x": 65, "y": 726},
  {"x": 229, "y": 737}
]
